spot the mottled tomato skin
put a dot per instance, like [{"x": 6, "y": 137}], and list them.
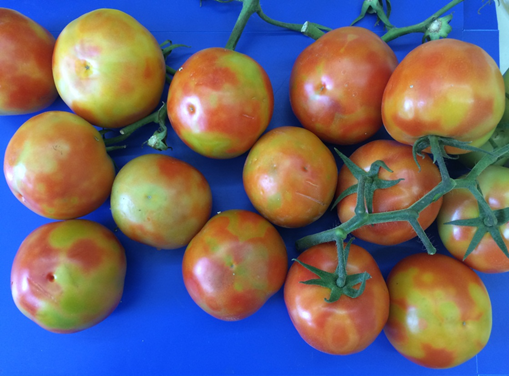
[
  {"x": 56, "y": 164},
  {"x": 108, "y": 68},
  {"x": 290, "y": 176},
  {"x": 219, "y": 102},
  {"x": 348, "y": 325},
  {"x": 25, "y": 65},
  {"x": 416, "y": 184},
  {"x": 68, "y": 276},
  {"x": 440, "y": 312},
  {"x": 337, "y": 83},
  {"x": 487, "y": 257},
  {"x": 160, "y": 201},
  {"x": 234, "y": 264},
  {"x": 447, "y": 88}
]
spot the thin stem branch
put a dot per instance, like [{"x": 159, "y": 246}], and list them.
[{"x": 420, "y": 27}]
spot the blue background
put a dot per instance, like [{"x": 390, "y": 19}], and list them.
[{"x": 157, "y": 328}]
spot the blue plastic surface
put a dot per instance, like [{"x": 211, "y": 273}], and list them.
[{"x": 157, "y": 329}]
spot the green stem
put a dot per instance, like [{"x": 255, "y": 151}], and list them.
[
  {"x": 421, "y": 27},
  {"x": 486, "y": 161},
  {"x": 309, "y": 29},
  {"x": 286, "y": 25},
  {"x": 125, "y": 132},
  {"x": 342, "y": 260},
  {"x": 249, "y": 7},
  {"x": 438, "y": 154}
]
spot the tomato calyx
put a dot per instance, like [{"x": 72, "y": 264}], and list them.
[
  {"x": 376, "y": 7},
  {"x": 157, "y": 141},
  {"x": 339, "y": 283},
  {"x": 368, "y": 180},
  {"x": 486, "y": 224},
  {"x": 439, "y": 28}
]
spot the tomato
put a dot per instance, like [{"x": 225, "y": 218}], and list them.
[
  {"x": 219, "y": 102},
  {"x": 416, "y": 184},
  {"x": 108, "y": 68},
  {"x": 348, "y": 325},
  {"x": 68, "y": 276},
  {"x": 337, "y": 83},
  {"x": 160, "y": 201},
  {"x": 56, "y": 164},
  {"x": 290, "y": 176},
  {"x": 25, "y": 65},
  {"x": 460, "y": 203},
  {"x": 440, "y": 312},
  {"x": 447, "y": 88},
  {"x": 234, "y": 264}
]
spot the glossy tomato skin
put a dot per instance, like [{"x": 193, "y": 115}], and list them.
[
  {"x": 337, "y": 83},
  {"x": 416, "y": 184},
  {"x": 219, "y": 102},
  {"x": 25, "y": 65},
  {"x": 108, "y": 68},
  {"x": 348, "y": 325},
  {"x": 56, "y": 164},
  {"x": 68, "y": 276},
  {"x": 160, "y": 201},
  {"x": 290, "y": 176},
  {"x": 440, "y": 313},
  {"x": 447, "y": 88},
  {"x": 487, "y": 257},
  {"x": 234, "y": 264}
]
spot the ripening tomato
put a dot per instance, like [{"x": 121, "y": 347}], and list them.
[
  {"x": 219, "y": 102},
  {"x": 440, "y": 312},
  {"x": 56, "y": 164},
  {"x": 337, "y": 83},
  {"x": 348, "y": 325},
  {"x": 26, "y": 79},
  {"x": 160, "y": 201},
  {"x": 416, "y": 183},
  {"x": 290, "y": 176},
  {"x": 460, "y": 203},
  {"x": 68, "y": 276},
  {"x": 446, "y": 88},
  {"x": 108, "y": 68},
  {"x": 234, "y": 264}
]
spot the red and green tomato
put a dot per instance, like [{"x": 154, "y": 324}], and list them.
[
  {"x": 459, "y": 204},
  {"x": 68, "y": 276},
  {"x": 440, "y": 312},
  {"x": 219, "y": 102},
  {"x": 234, "y": 264},
  {"x": 108, "y": 68},
  {"x": 415, "y": 184},
  {"x": 446, "y": 88},
  {"x": 290, "y": 176},
  {"x": 56, "y": 165},
  {"x": 337, "y": 83},
  {"x": 348, "y": 325},
  {"x": 26, "y": 79},
  {"x": 160, "y": 201}
]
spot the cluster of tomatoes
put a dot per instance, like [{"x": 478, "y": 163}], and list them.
[{"x": 69, "y": 275}]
